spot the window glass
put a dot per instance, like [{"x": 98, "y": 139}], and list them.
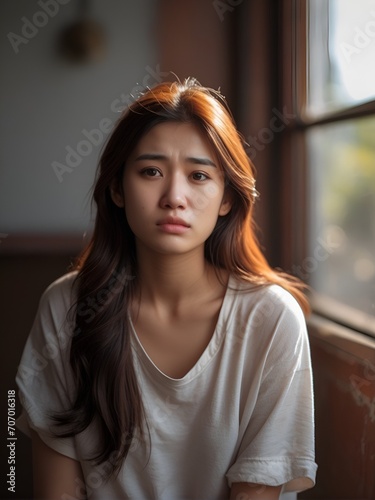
[
  {"x": 341, "y": 54},
  {"x": 341, "y": 254}
]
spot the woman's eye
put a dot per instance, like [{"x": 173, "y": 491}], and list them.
[
  {"x": 151, "y": 172},
  {"x": 199, "y": 176}
]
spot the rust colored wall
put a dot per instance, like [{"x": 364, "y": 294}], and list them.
[{"x": 344, "y": 375}]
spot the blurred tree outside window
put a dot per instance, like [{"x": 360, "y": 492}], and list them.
[{"x": 338, "y": 111}]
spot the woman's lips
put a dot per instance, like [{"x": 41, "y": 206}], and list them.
[
  {"x": 173, "y": 225},
  {"x": 173, "y": 228}
]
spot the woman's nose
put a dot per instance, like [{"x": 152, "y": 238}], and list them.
[{"x": 174, "y": 194}]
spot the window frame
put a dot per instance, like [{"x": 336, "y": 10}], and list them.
[{"x": 294, "y": 77}]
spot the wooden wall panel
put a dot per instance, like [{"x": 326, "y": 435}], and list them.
[
  {"x": 344, "y": 376},
  {"x": 23, "y": 279}
]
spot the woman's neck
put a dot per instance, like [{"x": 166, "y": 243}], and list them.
[{"x": 173, "y": 281}]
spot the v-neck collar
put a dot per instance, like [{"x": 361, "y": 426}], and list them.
[{"x": 205, "y": 358}]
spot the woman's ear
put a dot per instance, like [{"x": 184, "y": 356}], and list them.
[
  {"x": 116, "y": 194},
  {"x": 226, "y": 204}
]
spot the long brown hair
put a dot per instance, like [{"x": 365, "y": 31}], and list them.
[{"x": 101, "y": 356}]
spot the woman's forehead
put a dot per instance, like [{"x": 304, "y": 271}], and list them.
[{"x": 168, "y": 138}]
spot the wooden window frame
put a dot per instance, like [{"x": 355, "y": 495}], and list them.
[{"x": 294, "y": 77}]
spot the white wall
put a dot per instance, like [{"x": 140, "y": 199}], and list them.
[{"x": 45, "y": 103}]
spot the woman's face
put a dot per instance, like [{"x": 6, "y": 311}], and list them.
[{"x": 172, "y": 189}]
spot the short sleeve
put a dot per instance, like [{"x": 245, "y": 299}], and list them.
[
  {"x": 277, "y": 447},
  {"x": 44, "y": 379}
]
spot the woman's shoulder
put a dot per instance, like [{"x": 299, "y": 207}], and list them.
[
  {"x": 267, "y": 314},
  {"x": 267, "y": 299},
  {"x": 52, "y": 329},
  {"x": 60, "y": 291}
]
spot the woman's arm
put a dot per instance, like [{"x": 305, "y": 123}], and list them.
[
  {"x": 54, "y": 474},
  {"x": 251, "y": 491}
]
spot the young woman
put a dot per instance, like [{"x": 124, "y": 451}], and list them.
[{"x": 173, "y": 363}]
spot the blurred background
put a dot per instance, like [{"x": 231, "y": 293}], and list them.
[{"x": 299, "y": 76}]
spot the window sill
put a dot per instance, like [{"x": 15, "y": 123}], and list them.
[
  {"x": 343, "y": 338},
  {"x": 337, "y": 313}
]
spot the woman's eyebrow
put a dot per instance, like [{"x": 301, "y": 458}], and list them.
[
  {"x": 191, "y": 159},
  {"x": 151, "y": 156},
  {"x": 201, "y": 161}
]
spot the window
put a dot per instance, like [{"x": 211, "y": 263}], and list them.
[
  {"x": 340, "y": 54},
  {"x": 335, "y": 138}
]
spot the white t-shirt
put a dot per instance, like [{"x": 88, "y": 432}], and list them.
[{"x": 243, "y": 413}]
